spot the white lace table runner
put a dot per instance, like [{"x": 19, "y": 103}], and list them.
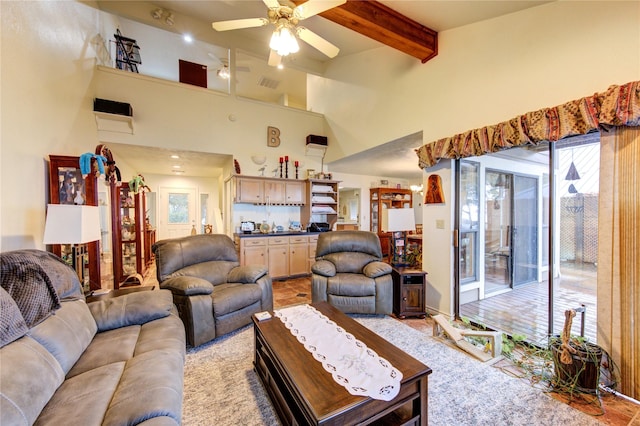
[{"x": 351, "y": 363}]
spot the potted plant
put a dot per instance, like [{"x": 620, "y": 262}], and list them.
[{"x": 576, "y": 361}]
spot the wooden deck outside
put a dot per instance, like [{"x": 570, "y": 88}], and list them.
[{"x": 525, "y": 309}]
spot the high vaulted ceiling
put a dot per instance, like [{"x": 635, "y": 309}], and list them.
[{"x": 436, "y": 15}]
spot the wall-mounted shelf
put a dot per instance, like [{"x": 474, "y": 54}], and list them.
[
  {"x": 114, "y": 122},
  {"x": 315, "y": 149}
]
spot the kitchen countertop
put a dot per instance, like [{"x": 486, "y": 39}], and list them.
[{"x": 275, "y": 234}]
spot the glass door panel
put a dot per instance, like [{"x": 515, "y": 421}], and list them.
[
  {"x": 525, "y": 230},
  {"x": 497, "y": 228}
]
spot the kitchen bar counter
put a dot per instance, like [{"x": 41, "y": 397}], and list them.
[{"x": 275, "y": 234}]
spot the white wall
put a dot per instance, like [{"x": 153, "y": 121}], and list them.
[
  {"x": 484, "y": 73},
  {"x": 49, "y": 81},
  {"x": 46, "y": 96}
]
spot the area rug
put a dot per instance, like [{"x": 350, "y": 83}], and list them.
[{"x": 221, "y": 387}]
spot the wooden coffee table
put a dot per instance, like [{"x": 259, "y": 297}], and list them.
[{"x": 303, "y": 393}]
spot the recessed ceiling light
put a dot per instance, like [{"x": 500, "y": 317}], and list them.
[
  {"x": 175, "y": 156},
  {"x": 280, "y": 66}
]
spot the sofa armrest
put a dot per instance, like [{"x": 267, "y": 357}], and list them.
[
  {"x": 187, "y": 286},
  {"x": 376, "y": 269},
  {"x": 246, "y": 274},
  {"x": 324, "y": 268},
  {"x": 131, "y": 309}
]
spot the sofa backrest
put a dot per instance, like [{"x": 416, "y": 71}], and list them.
[
  {"x": 207, "y": 256},
  {"x": 349, "y": 251},
  {"x": 50, "y": 327}
]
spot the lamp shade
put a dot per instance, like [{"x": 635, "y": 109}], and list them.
[
  {"x": 71, "y": 224},
  {"x": 396, "y": 220}
]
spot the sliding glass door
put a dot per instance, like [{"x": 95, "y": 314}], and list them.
[{"x": 537, "y": 239}]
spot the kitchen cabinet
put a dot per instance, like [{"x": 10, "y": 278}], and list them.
[
  {"x": 284, "y": 255},
  {"x": 386, "y": 198},
  {"x": 322, "y": 202},
  {"x": 278, "y": 257},
  {"x": 253, "y": 251},
  {"x": 295, "y": 192},
  {"x": 249, "y": 190},
  {"x": 274, "y": 191},
  {"x": 298, "y": 255},
  {"x": 313, "y": 242}
]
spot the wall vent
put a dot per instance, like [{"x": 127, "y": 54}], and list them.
[{"x": 268, "y": 82}]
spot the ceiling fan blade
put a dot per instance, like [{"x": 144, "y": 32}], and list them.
[
  {"x": 274, "y": 58},
  {"x": 214, "y": 57},
  {"x": 318, "y": 42},
  {"x": 237, "y": 24},
  {"x": 272, "y": 4},
  {"x": 313, "y": 7}
]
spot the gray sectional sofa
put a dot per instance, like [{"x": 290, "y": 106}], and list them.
[{"x": 118, "y": 361}]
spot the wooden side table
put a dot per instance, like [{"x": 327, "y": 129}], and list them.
[{"x": 409, "y": 289}]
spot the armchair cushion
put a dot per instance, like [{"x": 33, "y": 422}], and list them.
[
  {"x": 187, "y": 286},
  {"x": 234, "y": 297},
  {"x": 324, "y": 268},
  {"x": 246, "y": 274},
  {"x": 131, "y": 309},
  {"x": 376, "y": 269},
  {"x": 352, "y": 285}
]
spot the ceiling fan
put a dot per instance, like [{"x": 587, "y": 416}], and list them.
[
  {"x": 285, "y": 18},
  {"x": 222, "y": 67}
]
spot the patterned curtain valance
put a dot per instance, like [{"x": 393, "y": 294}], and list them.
[{"x": 618, "y": 106}]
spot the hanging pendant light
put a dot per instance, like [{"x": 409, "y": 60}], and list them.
[{"x": 572, "y": 174}]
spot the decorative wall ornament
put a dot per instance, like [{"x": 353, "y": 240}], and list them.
[
  {"x": 435, "y": 195},
  {"x": 273, "y": 136}
]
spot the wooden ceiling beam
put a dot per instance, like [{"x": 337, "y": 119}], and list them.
[{"x": 383, "y": 24}]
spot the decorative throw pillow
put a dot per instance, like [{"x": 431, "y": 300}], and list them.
[
  {"x": 29, "y": 286},
  {"x": 12, "y": 325}
]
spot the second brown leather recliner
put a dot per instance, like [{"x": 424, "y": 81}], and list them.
[
  {"x": 349, "y": 274},
  {"x": 214, "y": 295}
]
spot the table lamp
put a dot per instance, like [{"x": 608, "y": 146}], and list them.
[
  {"x": 75, "y": 225},
  {"x": 398, "y": 222}
]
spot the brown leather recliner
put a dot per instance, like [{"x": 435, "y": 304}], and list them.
[
  {"x": 349, "y": 274},
  {"x": 214, "y": 295}
]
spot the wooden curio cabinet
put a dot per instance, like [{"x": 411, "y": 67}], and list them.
[
  {"x": 386, "y": 198},
  {"x": 128, "y": 233},
  {"x": 67, "y": 186}
]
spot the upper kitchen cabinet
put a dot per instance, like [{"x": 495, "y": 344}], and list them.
[{"x": 272, "y": 191}]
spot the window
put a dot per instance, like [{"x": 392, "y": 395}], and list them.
[{"x": 178, "y": 208}]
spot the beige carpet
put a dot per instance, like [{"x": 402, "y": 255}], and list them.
[{"x": 221, "y": 387}]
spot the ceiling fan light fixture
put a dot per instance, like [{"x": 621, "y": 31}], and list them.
[
  {"x": 283, "y": 40},
  {"x": 224, "y": 72}
]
